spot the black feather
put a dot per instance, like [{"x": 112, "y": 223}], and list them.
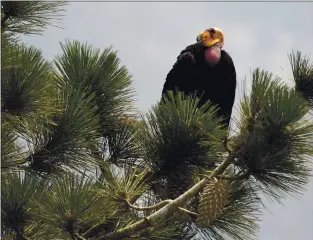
[{"x": 192, "y": 75}]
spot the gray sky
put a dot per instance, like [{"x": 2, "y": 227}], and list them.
[{"x": 149, "y": 36}]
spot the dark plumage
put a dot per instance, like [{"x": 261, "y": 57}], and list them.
[{"x": 192, "y": 74}]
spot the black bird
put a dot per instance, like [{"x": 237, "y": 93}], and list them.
[{"x": 206, "y": 70}]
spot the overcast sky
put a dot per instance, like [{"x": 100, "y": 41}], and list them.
[{"x": 149, "y": 36}]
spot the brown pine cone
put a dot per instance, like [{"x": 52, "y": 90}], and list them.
[{"x": 212, "y": 202}]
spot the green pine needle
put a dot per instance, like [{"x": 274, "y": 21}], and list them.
[
  {"x": 177, "y": 133},
  {"x": 124, "y": 185},
  {"x": 302, "y": 69},
  {"x": 123, "y": 147},
  {"x": 30, "y": 17},
  {"x": 276, "y": 138},
  {"x": 100, "y": 73},
  {"x": 11, "y": 153},
  {"x": 27, "y": 85},
  {"x": 66, "y": 142},
  {"x": 71, "y": 204},
  {"x": 17, "y": 190}
]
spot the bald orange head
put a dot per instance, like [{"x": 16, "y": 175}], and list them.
[
  {"x": 213, "y": 40},
  {"x": 211, "y": 36}
]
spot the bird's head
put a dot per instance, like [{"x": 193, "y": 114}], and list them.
[{"x": 213, "y": 41}]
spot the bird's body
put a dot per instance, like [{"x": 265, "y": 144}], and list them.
[{"x": 192, "y": 74}]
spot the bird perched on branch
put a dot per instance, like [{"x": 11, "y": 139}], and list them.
[{"x": 206, "y": 70}]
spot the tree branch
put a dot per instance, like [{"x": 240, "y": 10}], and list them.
[
  {"x": 98, "y": 228},
  {"x": 159, "y": 205},
  {"x": 192, "y": 214},
  {"x": 79, "y": 237},
  {"x": 234, "y": 178},
  {"x": 230, "y": 178},
  {"x": 171, "y": 207},
  {"x": 154, "y": 207}
]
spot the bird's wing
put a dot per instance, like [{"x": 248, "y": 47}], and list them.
[
  {"x": 180, "y": 69},
  {"x": 229, "y": 88}
]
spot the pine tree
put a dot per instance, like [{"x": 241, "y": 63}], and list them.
[{"x": 79, "y": 162}]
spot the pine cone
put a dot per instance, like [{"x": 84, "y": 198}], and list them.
[{"x": 212, "y": 202}]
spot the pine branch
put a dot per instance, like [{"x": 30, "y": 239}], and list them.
[
  {"x": 159, "y": 205},
  {"x": 171, "y": 207},
  {"x": 231, "y": 178},
  {"x": 154, "y": 207},
  {"x": 190, "y": 213},
  {"x": 79, "y": 237},
  {"x": 30, "y": 17},
  {"x": 302, "y": 69},
  {"x": 93, "y": 231},
  {"x": 234, "y": 178},
  {"x": 17, "y": 190},
  {"x": 276, "y": 135}
]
